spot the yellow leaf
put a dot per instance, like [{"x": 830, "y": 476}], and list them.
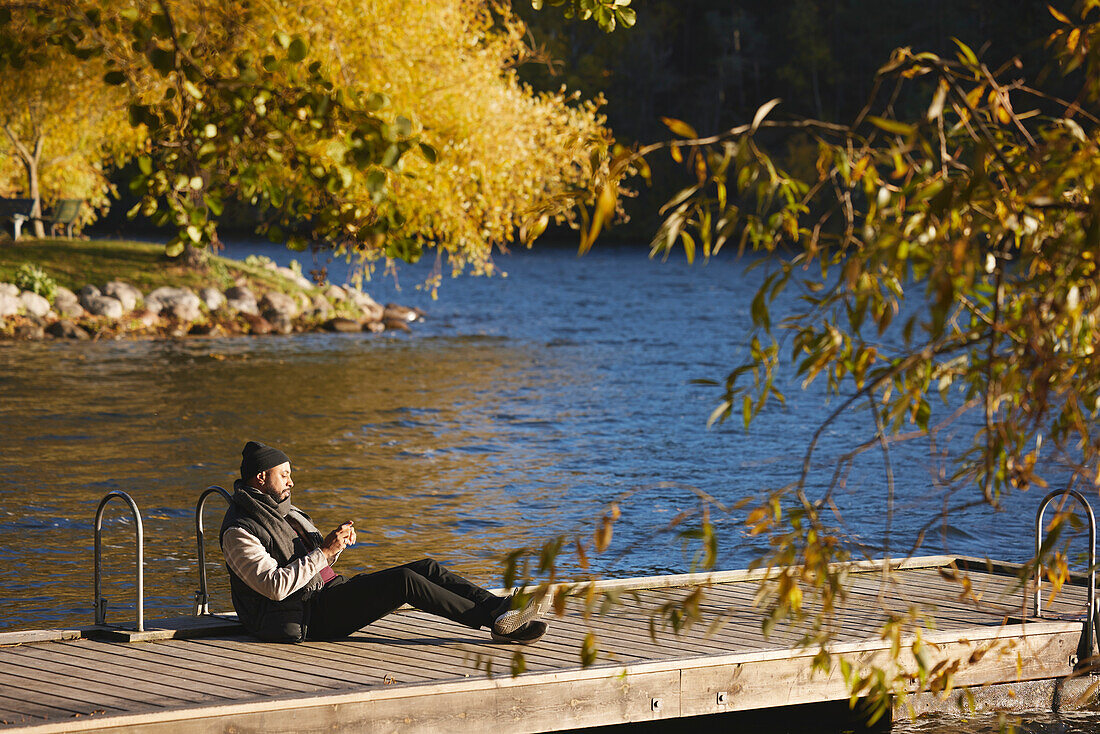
[
  {"x": 861, "y": 166},
  {"x": 1072, "y": 39},
  {"x": 677, "y": 156},
  {"x": 1058, "y": 16},
  {"x": 679, "y": 127}
]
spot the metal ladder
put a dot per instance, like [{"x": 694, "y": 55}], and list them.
[
  {"x": 139, "y": 538},
  {"x": 1090, "y": 619},
  {"x": 202, "y": 598}
]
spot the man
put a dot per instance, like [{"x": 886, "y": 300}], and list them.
[{"x": 284, "y": 588}]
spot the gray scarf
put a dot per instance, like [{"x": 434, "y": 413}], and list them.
[{"x": 270, "y": 514}]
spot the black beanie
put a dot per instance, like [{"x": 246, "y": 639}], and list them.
[{"x": 259, "y": 457}]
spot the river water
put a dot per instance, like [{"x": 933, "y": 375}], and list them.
[{"x": 515, "y": 413}]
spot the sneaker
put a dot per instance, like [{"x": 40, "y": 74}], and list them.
[
  {"x": 509, "y": 620},
  {"x": 525, "y": 635}
]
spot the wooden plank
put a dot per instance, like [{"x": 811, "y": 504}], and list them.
[
  {"x": 125, "y": 665},
  {"x": 27, "y": 696},
  {"x": 184, "y": 669},
  {"x": 59, "y": 669},
  {"x": 217, "y": 667},
  {"x": 463, "y": 659},
  {"x": 347, "y": 669},
  {"x": 502, "y": 706},
  {"x": 81, "y": 697}
]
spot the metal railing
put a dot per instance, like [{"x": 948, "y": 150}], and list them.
[
  {"x": 139, "y": 538},
  {"x": 202, "y": 597},
  {"x": 1090, "y": 615}
]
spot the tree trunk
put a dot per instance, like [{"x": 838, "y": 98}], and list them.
[
  {"x": 193, "y": 257},
  {"x": 35, "y": 192},
  {"x": 30, "y": 162}
]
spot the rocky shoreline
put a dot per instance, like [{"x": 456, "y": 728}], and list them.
[{"x": 120, "y": 310}]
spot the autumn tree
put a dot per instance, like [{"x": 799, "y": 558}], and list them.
[
  {"x": 377, "y": 130},
  {"x": 63, "y": 129}
]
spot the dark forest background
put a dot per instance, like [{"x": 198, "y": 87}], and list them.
[{"x": 712, "y": 63}]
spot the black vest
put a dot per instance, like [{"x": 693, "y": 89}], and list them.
[{"x": 275, "y": 621}]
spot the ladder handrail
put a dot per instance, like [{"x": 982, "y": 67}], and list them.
[
  {"x": 139, "y": 539},
  {"x": 202, "y": 598},
  {"x": 1089, "y": 621}
]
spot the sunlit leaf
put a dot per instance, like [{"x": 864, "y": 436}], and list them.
[{"x": 679, "y": 127}]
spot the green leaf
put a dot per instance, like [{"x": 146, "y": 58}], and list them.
[
  {"x": 214, "y": 204},
  {"x": 627, "y": 17},
  {"x": 376, "y": 180},
  {"x": 588, "y": 650},
  {"x": 403, "y": 125},
  {"x": 375, "y": 101},
  {"x": 174, "y": 248},
  {"x": 145, "y": 164},
  {"x": 192, "y": 89},
  {"x": 966, "y": 55},
  {"x": 162, "y": 60},
  {"x": 297, "y": 50},
  {"x": 430, "y": 154}
]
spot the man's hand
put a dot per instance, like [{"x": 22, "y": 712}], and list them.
[{"x": 338, "y": 540}]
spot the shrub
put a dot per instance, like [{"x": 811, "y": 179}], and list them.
[{"x": 32, "y": 278}]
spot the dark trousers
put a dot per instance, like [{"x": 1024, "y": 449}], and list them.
[{"x": 339, "y": 609}]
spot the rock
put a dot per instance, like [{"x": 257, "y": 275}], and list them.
[
  {"x": 397, "y": 325},
  {"x": 146, "y": 318},
  {"x": 104, "y": 306},
  {"x": 9, "y": 305},
  {"x": 177, "y": 303},
  {"x": 280, "y": 303},
  {"x": 212, "y": 298},
  {"x": 240, "y": 298},
  {"x": 374, "y": 327},
  {"x": 399, "y": 313},
  {"x": 34, "y": 304},
  {"x": 257, "y": 324},
  {"x": 341, "y": 324},
  {"x": 336, "y": 293},
  {"x": 206, "y": 329},
  {"x": 30, "y": 328},
  {"x": 127, "y": 294},
  {"x": 299, "y": 280},
  {"x": 66, "y": 303},
  {"x": 7, "y": 289},
  {"x": 65, "y": 329},
  {"x": 280, "y": 322},
  {"x": 363, "y": 301},
  {"x": 87, "y": 293},
  {"x": 321, "y": 308}
]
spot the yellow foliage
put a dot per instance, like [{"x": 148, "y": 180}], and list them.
[
  {"x": 80, "y": 120},
  {"x": 506, "y": 156}
]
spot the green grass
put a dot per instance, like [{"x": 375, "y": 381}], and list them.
[{"x": 76, "y": 263}]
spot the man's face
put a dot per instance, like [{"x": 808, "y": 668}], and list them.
[{"x": 276, "y": 482}]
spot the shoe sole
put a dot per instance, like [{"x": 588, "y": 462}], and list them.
[{"x": 509, "y": 622}]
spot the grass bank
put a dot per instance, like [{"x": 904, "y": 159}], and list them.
[{"x": 76, "y": 263}]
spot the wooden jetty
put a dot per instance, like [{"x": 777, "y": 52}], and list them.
[{"x": 411, "y": 672}]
